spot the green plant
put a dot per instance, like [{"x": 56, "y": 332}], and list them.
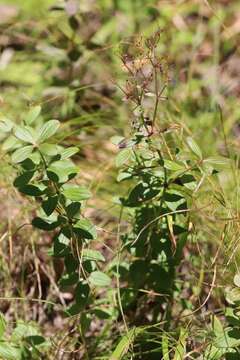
[
  {"x": 45, "y": 172},
  {"x": 25, "y": 342},
  {"x": 163, "y": 170}
]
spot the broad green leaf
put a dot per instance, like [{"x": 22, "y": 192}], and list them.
[
  {"x": 124, "y": 344},
  {"x": 116, "y": 139},
  {"x": 48, "y": 149},
  {"x": 73, "y": 310},
  {"x": 50, "y": 204},
  {"x": 48, "y": 130},
  {"x": 85, "y": 228},
  {"x": 61, "y": 171},
  {"x": 11, "y": 143},
  {"x": 123, "y": 156},
  {"x": 6, "y": 125},
  {"x": 23, "y": 330},
  {"x": 236, "y": 280},
  {"x": 102, "y": 313},
  {"x": 73, "y": 209},
  {"x": 9, "y": 351},
  {"x": 81, "y": 293},
  {"x": 123, "y": 176},
  {"x": 23, "y": 179},
  {"x": 31, "y": 190},
  {"x": 22, "y": 154},
  {"x": 194, "y": 147},
  {"x": 35, "y": 340},
  {"x": 33, "y": 114},
  {"x": 233, "y": 295},
  {"x": 89, "y": 254},
  {"x": 76, "y": 193},
  {"x": 3, "y": 325},
  {"x": 25, "y": 134},
  {"x": 69, "y": 279},
  {"x": 174, "y": 165},
  {"x": 98, "y": 278},
  {"x": 44, "y": 224},
  {"x": 67, "y": 153},
  {"x": 218, "y": 162}
]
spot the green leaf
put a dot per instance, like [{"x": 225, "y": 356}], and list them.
[
  {"x": 48, "y": 149},
  {"x": 48, "y": 130},
  {"x": 44, "y": 224},
  {"x": 194, "y": 147},
  {"x": 123, "y": 156},
  {"x": 89, "y": 254},
  {"x": 85, "y": 228},
  {"x": 6, "y": 125},
  {"x": 165, "y": 347},
  {"x": 69, "y": 279},
  {"x": 102, "y": 313},
  {"x": 173, "y": 165},
  {"x": 73, "y": 209},
  {"x": 25, "y": 134},
  {"x": 3, "y": 325},
  {"x": 236, "y": 280},
  {"x": 23, "y": 179},
  {"x": 33, "y": 114},
  {"x": 22, "y": 154},
  {"x": 82, "y": 293},
  {"x": 124, "y": 344},
  {"x": 50, "y": 204},
  {"x": 73, "y": 310},
  {"x": 76, "y": 193},
  {"x": 23, "y": 330},
  {"x": 11, "y": 143},
  {"x": 31, "y": 190},
  {"x": 62, "y": 171},
  {"x": 9, "y": 351},
  {"x": 232, "y": 295},
  {"x": 181, "y": 345},
  {"x": 116, "y": 139},
  {"x": 35, "y": 340},
  {"x": 98, "y": 278},
  {"x": 218, "y": 162},
  {"x": 67, "y": 153}
]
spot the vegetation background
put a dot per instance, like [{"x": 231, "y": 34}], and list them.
[{"x": 66, "y": 57}]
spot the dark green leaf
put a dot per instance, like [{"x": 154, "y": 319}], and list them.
[
  {"x": 50, "y": 204},
  {"x": 73, "y": 209},
  {"x": 31, "y": 190},
  {"x": 44, "y": 224},
  {"x": 69, "y": 279},
  {"x": 82, "y": 293},
  {"x": 23, "y": 179},
  {"x": 85, "y": 229}
]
